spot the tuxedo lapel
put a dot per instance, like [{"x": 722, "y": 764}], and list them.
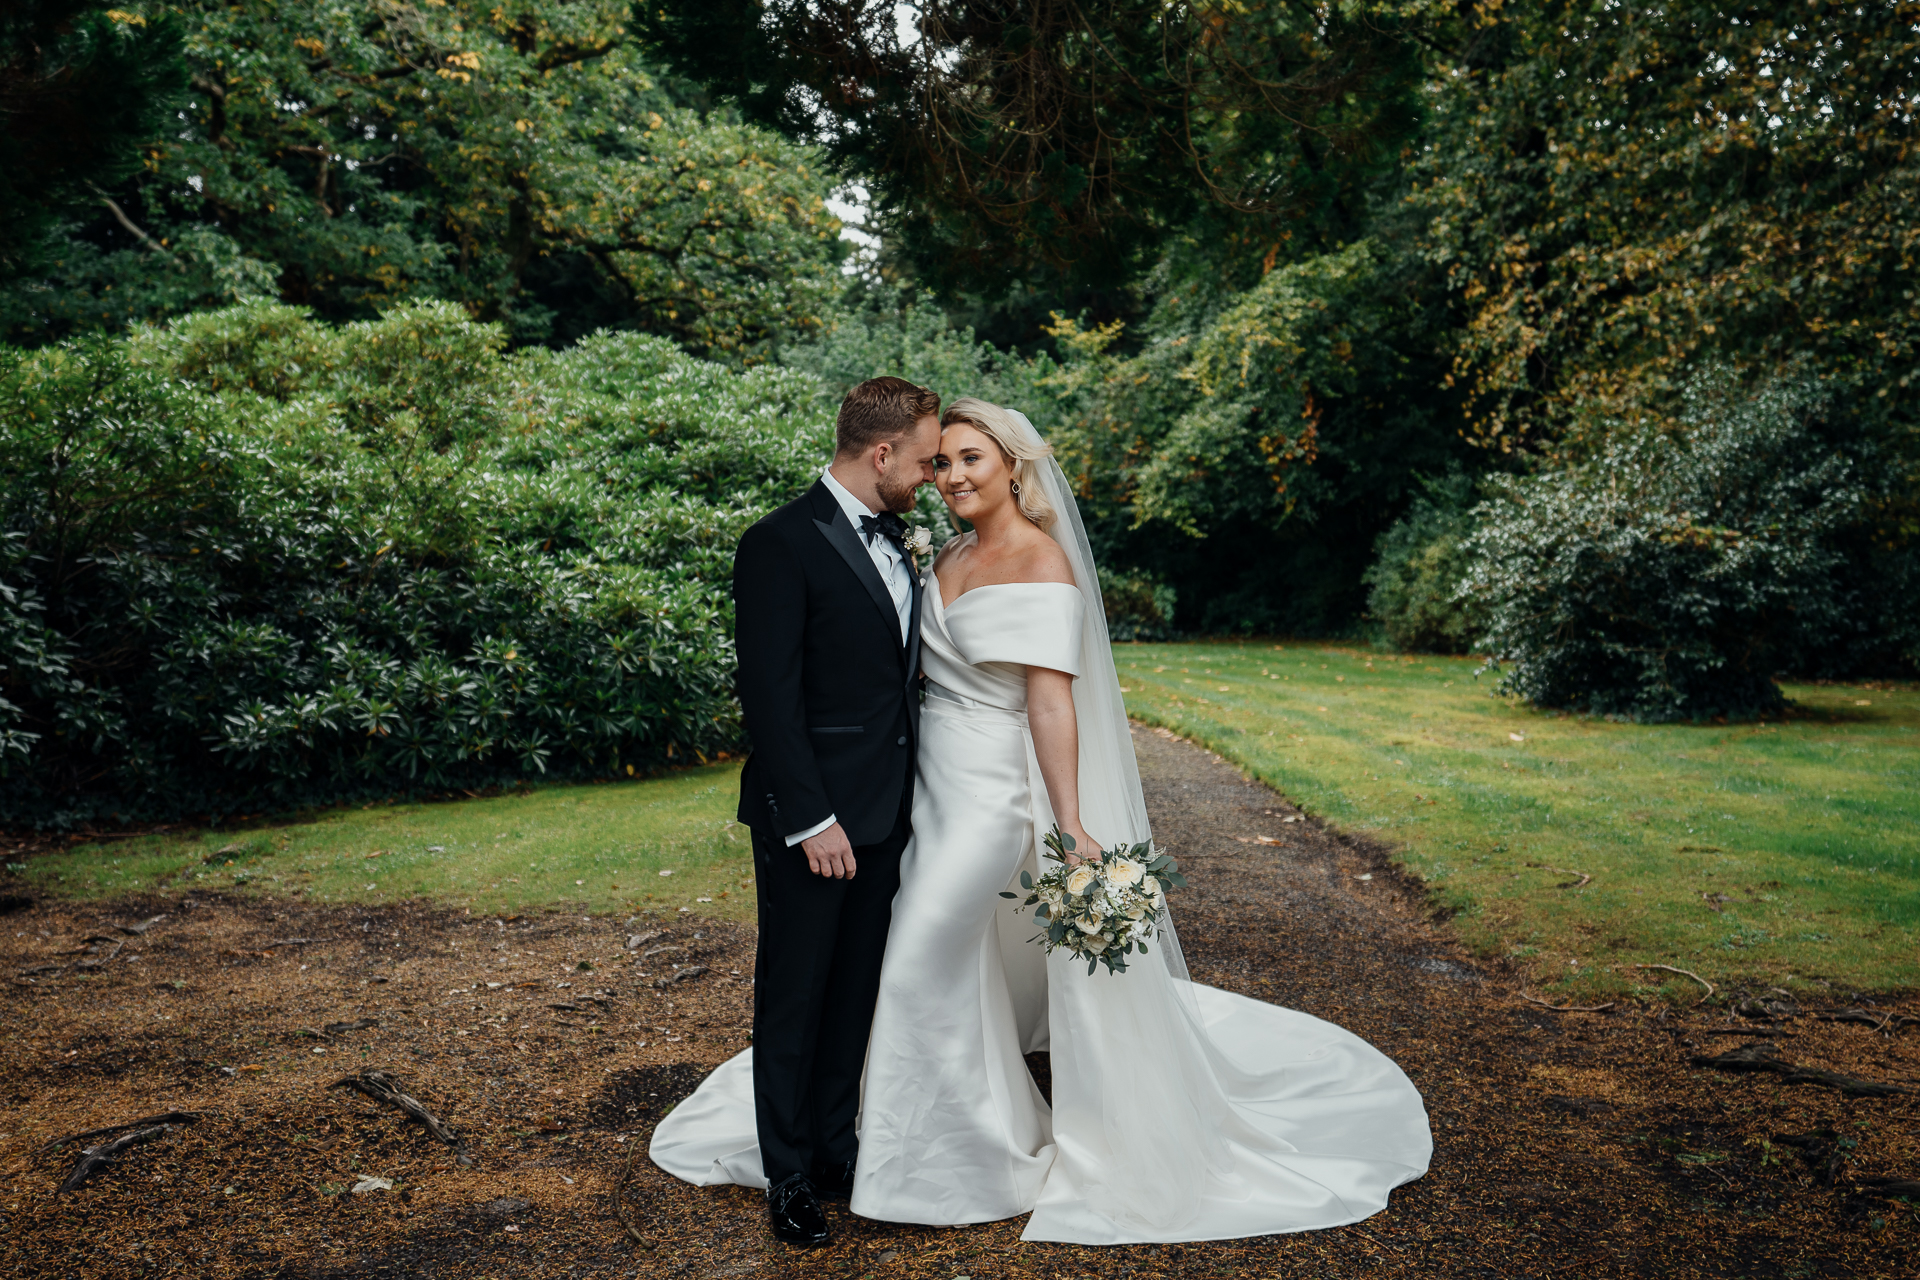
[
  {"x": 913, "y": 623},
  {"x": 840, "y": 536}
]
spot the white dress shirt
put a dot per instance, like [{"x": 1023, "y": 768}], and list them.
[
  {"x": 894, "y": 571},
  {"x": 887, "y": 557}
]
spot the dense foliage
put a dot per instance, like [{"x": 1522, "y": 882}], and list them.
[
  {"x": 1285, "y": 282},
  {"x": 83, "y": 87},
  {"x": 1522, "y": 228},
  {"x": 1618, "y": 193},
  {"x": 251, "y": 560},
  {"x": 523, "y": 160},
  {"x": 1420, "y": 564},
  {"x": 1673, "y": 574},
  {"x": 1060, "y": 142}
]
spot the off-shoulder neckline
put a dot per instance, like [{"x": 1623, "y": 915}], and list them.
[{"x": 945, "y": 607}]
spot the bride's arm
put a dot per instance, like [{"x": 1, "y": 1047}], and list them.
[{"x": 1056, "y": 744}]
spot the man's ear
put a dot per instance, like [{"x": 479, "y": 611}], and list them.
[{"x": 881, "y": 452}]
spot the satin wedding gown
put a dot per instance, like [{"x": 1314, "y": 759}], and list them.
[{"x": 1180, "y": 1112}]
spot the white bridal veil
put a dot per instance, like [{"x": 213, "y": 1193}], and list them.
[{"x": 1111, "y": 803}]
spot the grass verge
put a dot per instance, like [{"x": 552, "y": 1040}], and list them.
[
  {"x": 1781, "y": 852},
  {"x": 664, "y": 843}
]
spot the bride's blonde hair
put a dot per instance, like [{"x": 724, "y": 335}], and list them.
[{"x": 1023, "y": 453}]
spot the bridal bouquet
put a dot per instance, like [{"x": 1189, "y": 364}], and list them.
[{"x": 1103, "y": 907}]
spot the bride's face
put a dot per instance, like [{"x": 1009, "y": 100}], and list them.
[{"x": 971, "y": 473}]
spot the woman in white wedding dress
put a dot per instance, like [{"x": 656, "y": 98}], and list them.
[{"x": 1180, "y": 1112}]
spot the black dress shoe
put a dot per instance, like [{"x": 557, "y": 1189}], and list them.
[
  {"x": 794, "y": 1212},
  {"x": 833, "y": 1181}
]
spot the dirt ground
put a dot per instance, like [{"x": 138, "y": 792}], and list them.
[{"x": 1581, "y": 1144}]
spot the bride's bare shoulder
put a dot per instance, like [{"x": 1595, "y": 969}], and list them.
[
  {"x": 956, "y": 546},
  {"x": 1043, "y": 561}
]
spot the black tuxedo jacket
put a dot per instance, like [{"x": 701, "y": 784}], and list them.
[{"x": 831, "y": 696}]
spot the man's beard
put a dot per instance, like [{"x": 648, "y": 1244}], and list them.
[{"x": 897, "y": 495}]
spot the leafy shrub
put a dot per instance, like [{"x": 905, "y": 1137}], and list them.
[
  {"x": 1672, "y": 575},
  {"x": 1251, "y": 437},
  {"x": 250, "y": 561},
  {"x": 1138, "y": 608},
  {"x": 1419, "y": 565}
]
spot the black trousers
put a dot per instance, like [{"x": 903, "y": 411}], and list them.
[{"x": 816, "y": 978}]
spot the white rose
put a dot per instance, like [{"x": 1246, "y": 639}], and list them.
[
  {"x": 1096, "y": 944},
  {"x": 1122, "y": 872},
  {"x": 1136, "y": 912},
  {"x": 918, "y": 541},
  {"x": 1080, "y": 879},
  {"x": 1150, "y": 886}
]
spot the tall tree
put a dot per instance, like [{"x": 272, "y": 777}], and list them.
[
  {"x": 1007, "y": 141},
  {"x": 82, "y": 88},
  {"x": 521, "y": 158},
  {"x": 1622, "y": 192}
]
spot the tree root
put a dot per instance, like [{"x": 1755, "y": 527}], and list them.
[
  {"x": 687, "y": 974},
  {"x": 1685, "y": 972},
  {"x": 1748, "y": 1032},
  {"x": 93, "y": 1159},
  {"x": 1821, "y": 1150},
  {"x": 1886, "y": 1022},
  {"x": 1890, "y": 1187},
  {"x": 1765, "y": 1056},
  {"x": 1567, "y": 1008},
  {"x": 165, "y": 1117},
  {"x": 620, "y": 1202},
  {"x": 380, "y": 1086}
]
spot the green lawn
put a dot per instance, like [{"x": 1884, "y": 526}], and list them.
[
  {"x": 607, "y": 847},
  {"x": 1784, "y": 852},
  {"x": 1780, "y": 852}
]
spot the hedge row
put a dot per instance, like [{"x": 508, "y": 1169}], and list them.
[{"x": 249, "y": 561}]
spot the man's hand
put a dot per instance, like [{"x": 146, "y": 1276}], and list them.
[{"x": 829, "y": 854}]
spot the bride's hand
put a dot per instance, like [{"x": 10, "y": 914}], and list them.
[{"x": 1086, "y": 848}]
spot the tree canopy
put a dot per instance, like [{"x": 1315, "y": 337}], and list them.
[
  {"x": 82, "y": 88},
  {"x": 523, "y": 159},
  {"x": 1064, "y": 141}
]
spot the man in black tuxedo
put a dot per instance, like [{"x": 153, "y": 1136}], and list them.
[{"x": 827, "y": 626}]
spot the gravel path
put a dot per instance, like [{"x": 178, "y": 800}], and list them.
[{"x": 1566, "y": 1143}]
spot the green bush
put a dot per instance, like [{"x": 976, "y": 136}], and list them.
[
  {"x": 1419, "y": 565},
  {"x": 1673, "y": 574},
  {"x": 250, "y": 561},
  {"x": 1138, "y": 608}
]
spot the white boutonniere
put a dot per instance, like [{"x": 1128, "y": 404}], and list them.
[{"x": 918, "y": 541}]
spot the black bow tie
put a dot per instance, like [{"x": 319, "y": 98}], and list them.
[{"x": 887, "y": 525}]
